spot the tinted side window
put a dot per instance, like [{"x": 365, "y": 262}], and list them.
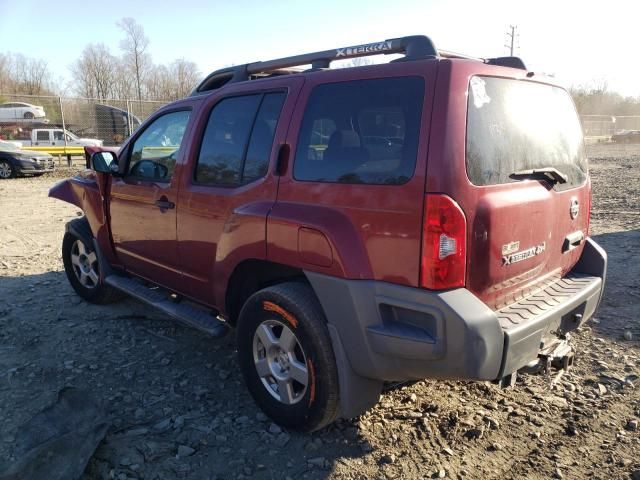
[
  {"x": 259, "y": 151},
  {"x": 154, "y": 152},
  {"x": 363, "y": 131},
  {"x": 237, "y": 142}
]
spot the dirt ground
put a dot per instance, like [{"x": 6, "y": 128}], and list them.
[{"x": 178, "y": 407}]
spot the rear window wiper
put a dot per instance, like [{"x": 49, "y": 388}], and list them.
[{"x": 547, "y": 173}]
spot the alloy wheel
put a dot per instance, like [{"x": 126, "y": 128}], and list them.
[{"x": 280, "y": 362}]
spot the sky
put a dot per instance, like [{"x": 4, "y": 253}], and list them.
[{"x": 580, "y": 42}]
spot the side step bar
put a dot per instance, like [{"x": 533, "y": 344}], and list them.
[{"x": 191, "y": 316}]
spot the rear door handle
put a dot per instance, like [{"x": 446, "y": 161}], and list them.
[
  {"x": 164, "y": 204},
  {"x": 572, "y": 240}
]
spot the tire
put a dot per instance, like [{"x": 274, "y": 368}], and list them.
[
  {"x": 28, "y": 115},
  {"x": 83, "y": 272},
  {"x": 6, "y": 170},
  {"x": 265, "y": 317}
]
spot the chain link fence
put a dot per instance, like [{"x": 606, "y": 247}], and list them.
[
  {"x": 603, "y": 126},
  {"x": 111, "y": 121},
  {"x": 71, "y": 121}
]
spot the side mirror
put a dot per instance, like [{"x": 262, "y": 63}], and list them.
[{"x": 104, "y": 162}]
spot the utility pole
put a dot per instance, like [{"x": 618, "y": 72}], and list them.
[{"x": 511, "y": 35}]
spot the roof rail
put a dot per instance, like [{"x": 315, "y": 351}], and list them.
[{"x": 413, "y": 47}]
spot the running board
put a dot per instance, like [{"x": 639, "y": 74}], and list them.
[{"x": 191, "y": 316}]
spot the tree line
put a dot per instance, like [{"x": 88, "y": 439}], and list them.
[
  {"x": 131, "y": 74},
  {"x": 100, "y": 73}
]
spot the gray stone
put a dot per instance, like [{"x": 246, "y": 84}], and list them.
[
  {"x": 273, "y": 428},
  {"x": 317, "y": 461},
  {"x": 185, "y": 451}
]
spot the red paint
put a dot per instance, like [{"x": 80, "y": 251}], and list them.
[
  {"x": 351, "y": 231},
  {"x": 314, "y": 248}
]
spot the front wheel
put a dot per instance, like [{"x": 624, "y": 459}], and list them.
[
  {"x": 286, "y": 358},
  {"x": 28, "y": 115},
  {"x": 82, "y": 269},
  {"x": 6, "y": 169}
]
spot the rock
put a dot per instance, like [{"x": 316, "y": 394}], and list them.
[
  {"x": 448, "y": 451},
  {"x": 275, "y": 429},
  {"x": 223, "y": 374},
  {"x": 441, "y": 473},
  {"x": 389, "y": 458},
  {"x": 162, "y": 425},
  {"x": 185, "y": 451},
  {"x": 474, "y": 433},
  {"x": 496, "y": 447},
  {"x": 558, "y": 474},
  {"x": 632, "y": 425},
  {"x": 316, "y": 461},
  {"x": 601, "y": 389},
  {"x": 366, "y": 447},
  {"x": 242, "y": 419},
  {"x": 282, "y": 439},
  {"x": 139, "y": 413},
  {"x": 164, "y": 362},
  {"x": 178, "y": 422},
  {"x": 493, "y": 423},
  {"x": 628, "y": 335},
  {"x": 571, "y": 430},
  {"x": 261, "y": 417}
]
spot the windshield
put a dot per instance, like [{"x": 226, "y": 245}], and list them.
[{"x": 515, "y": 125}]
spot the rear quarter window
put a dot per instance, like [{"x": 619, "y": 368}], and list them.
[
  {"x": 363, "y": 131},
  {"x": 515, "y": 125}
]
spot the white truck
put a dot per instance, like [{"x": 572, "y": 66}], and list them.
[{"x": 48, "y": 137}]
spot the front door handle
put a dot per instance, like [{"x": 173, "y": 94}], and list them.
[{"x": 164, "y": 204}]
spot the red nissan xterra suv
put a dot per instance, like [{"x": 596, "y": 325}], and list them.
[{"x": 427, "y": 217}]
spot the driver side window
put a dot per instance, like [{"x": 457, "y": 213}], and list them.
[{"x": 155, "y": 151}]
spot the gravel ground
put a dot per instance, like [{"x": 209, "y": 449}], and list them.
[{"x": 179, "y": 409}]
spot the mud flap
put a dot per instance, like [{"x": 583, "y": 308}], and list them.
[{"x": 357, "y": 394}]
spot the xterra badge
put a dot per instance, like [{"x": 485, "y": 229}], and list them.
[{"x": 523, "y": 255}]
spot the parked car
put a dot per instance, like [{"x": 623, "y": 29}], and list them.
[
  {"x": 626, "y": 136},
  {"x": 48, "y": 137},
  {"x": 19, "y": 110},
  {"x": 262, "y": 203},
  {"x": 15, "y": 162}
]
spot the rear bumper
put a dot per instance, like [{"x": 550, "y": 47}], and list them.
[{"x": 392, "y": 332}]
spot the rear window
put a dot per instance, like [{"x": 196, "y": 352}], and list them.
[
  {"x": 515, "y": 125},
  {"x": 363, "y": 131}
]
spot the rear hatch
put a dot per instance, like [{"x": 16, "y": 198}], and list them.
[{"x": 525, "y": 156}]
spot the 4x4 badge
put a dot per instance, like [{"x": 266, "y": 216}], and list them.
[
  {"x": 523, "y": 255},
  {"x": 574, "y": 209}
]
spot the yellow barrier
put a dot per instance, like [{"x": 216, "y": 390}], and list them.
[{"x": 58, "y": 150}]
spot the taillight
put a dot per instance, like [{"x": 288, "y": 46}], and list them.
[{"x": 444, "y": 244}]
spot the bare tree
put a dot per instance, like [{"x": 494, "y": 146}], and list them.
[
  {"x": 94, "y": 71},
  {"x": 185, "y": 75},
  {"x": 134, "y": 46}
]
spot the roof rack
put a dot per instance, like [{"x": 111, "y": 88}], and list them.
[{"x": 413, "y": 47}]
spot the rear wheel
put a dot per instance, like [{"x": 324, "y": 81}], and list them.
[
  {"x": 82, "y": 269},
  {"x": 286, "y": 357},
  {"x": 6, "y": 169}
]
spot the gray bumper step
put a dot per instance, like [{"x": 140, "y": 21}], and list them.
[{"x": 191, "y": 316}]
